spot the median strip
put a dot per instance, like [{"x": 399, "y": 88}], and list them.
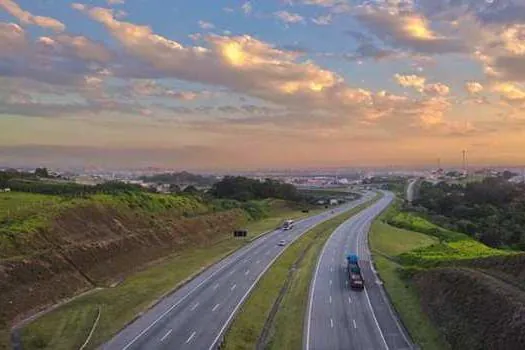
[{"x": 273, "y": 315}]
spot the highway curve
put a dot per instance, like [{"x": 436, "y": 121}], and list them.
[
  {"x": 340, "y": 318},
  {"x": 196, "y": 316}
]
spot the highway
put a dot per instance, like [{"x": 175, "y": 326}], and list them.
[
  {"x": 197, "y": 315},
  {"x": 411, "y": 190},
  {"x": 340, "y": 318}
]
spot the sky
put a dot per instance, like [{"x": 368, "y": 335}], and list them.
[{"x": 264, "y": 83}]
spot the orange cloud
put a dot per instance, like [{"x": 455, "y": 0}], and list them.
[{"x": 27, "y": 18}]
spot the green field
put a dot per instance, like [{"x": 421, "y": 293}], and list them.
[
  {"x": 68, "y": 326},
  {"x": 289, "y": 276}
]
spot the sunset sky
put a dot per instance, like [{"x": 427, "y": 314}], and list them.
[{"x": 209, "y": 84}]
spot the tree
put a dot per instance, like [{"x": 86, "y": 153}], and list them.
[
  {"x": 190, "y": 190},
  {"x": 41, "y": 172},
  {"x": 174, "y": 188}
]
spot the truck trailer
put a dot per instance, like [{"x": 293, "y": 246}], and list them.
[{"x": 354, "y": 272}]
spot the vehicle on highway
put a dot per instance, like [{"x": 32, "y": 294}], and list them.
[
  {"x": 281, "y": 243},
  {"x": 288, "y": 225},
  {"x": 354, "y": 272}
]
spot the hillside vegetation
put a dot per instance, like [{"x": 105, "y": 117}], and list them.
[{"x": 449, "y": 287}]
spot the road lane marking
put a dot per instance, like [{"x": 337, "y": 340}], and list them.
[
  {"x": 194, "y": 306},
  {"x": 247, "y": 272},
  {"x": 215, "y": 307},
  {"x": 166, "y": 335},
  {"x": 190, "y": 337},
  {"x": 350, "y": 300},
  {"x": 331, "y": 323},
  {"x": 331, "y": 269},
  {"x": 375, "y": 320},
  {"x": 267, "y": 253},
  {"x": 330, "y": 282},
  {"x": 258, "y": 261},
  {"x": 232, "y": 314},
  {"x": 330, "y": 299},
  {"x": 231, "y": 273},
  {"x": 346, "y": 283},
  {"x": 233, "y": 287},
  {"x": 215, "y": 286},
  {"x": 355, "y": 325}
]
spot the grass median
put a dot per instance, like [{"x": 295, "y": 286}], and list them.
[
  {"x": 273, "y": 315},
  {"x": 387, "y": 242},
  {"x": 67, "y": 326}
]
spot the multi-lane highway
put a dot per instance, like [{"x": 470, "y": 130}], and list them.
[
  {"x": 340, "y": 318},
  {"x": 196, "y": 316}
]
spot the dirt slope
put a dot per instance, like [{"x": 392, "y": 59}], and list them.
[
  {"x": 93, "y": 245},
  {"x": 473, "y": 310}
]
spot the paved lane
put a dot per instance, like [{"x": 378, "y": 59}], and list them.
[
  {"x": 340, "y": 318},
  {"x": 195, "y": 316}
]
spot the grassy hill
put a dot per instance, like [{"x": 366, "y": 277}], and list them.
[{"x": 450, "y": 290}]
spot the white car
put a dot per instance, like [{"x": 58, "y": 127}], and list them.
[{"x": 281, "y": 243}]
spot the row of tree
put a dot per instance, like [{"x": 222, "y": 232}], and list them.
[
  {"x": 245, "y": 189},
  {"x": 492, "y": 211}
]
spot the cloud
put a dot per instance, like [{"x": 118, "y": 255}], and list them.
[
  {"x": 405, "y": 28},
  {"x": 151, "y": 88},
  {"x": 242, "y": 64},
  {"x": 206, "y": 25},
  {"x": 323, "y": 20},
  {"x": 247, "y": 7},
  {"x": 511, "y": 93},
  {"x": 288, "y": 17},
  {"x": 115, "y": 2},
  {"x": 473, "y": 87},
  {"x": 411, "y": 80},
  {"x": 27, "y": 18},
  {"x": 437, "y": 89}
]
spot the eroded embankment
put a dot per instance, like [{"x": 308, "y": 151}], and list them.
[
  {"x": 93, "y": 245},
  {"x": 472, "y": 309}
]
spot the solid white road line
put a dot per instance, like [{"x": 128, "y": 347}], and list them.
[
  {"x": 166, "y": 335},
  {"x": 215, "y": 307},
  {"x": 233, "y": 287},
  {"x": 190, "y": 337},
  {"x": 355, "y": 325},
  {"x": 194, "y": 306}
]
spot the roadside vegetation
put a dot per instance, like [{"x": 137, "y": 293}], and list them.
[
  {"x": 272, "y": 317},
  {"x": 410, "y": 252},
  {"x": 491, "y": 211}
]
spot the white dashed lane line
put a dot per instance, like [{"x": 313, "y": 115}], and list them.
[
  {"x": 166, "y": 335},
  {"x": 191, "y": 337},
  {"x": 215, "y": 307},
  {"x": 233, "y": 287},
  {"x": 195, "y": 306}
]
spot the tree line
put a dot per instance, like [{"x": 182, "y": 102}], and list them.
[
  {"x": 245, "y": 189},
  {"x": 492, "y": 211}
]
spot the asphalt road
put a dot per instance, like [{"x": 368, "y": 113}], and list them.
[
  {"x": 196, "y": 315},
  {"x": 341, "y": 318},
  {"x": 411, "y": 190}
]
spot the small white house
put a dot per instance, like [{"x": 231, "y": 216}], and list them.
[
  {"x": 5, "y": 190},
  {"x": 334, "y": 202}
]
